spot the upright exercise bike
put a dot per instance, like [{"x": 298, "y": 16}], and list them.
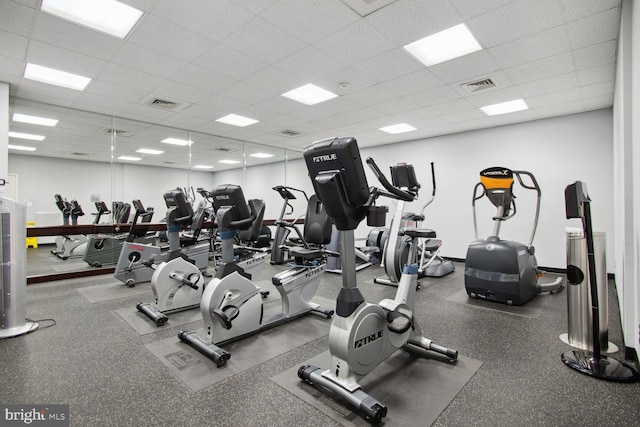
[
  {"x": 231, "y": 304},
  {"x": 501, "y": 270},
  {"x": 362, "y": 334}
]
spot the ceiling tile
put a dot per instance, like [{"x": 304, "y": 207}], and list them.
[
  {"x": 433, "y": 96},
  {"x": 215, "y": 20},
  {"x": 13, "y": 45},
  {"x": 594, "y": 29},
  {"x": 594, "y": 55},
  {"x": 410, "y": 83},
  {"x": 200, "y": 78},
  {"x": 548, "y": 85},
  {"x": 246, "y": 93},
  {"x": 471, "y": 8},
  {"x": 598, "y": 74},
  {"x": 409, "y": 20},
  {"x": 16, "y": 18},
  {"x": 229, "y": 62},
  {"x": 169, "y": 38},
  {"x": 128, "y": 77},
  {"x": 514, "y": 21},
  {"x": 389, "y": 65},
  {"x": 147, "y": 61},
  {"x": 310, "y": 21},
  {"x": 355, "y": 43},
  {"x": 263, "y": 41},
  {"x": 308, "y": 64},
  {"x": 469, "y": 67},
  {"x": 576, "y": 9},
  {"x": 63, "y": 59},
  {"x": 537, "y": 46},
  {"x": 541, "y": 69}
]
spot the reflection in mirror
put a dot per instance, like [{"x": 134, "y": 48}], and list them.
[{"x": 88, "y": 157}]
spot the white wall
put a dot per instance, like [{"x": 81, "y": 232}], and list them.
[
  {"x": 558, "y": 151},
  {"x": 627, "y": 178}
]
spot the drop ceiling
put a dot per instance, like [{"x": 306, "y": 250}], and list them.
[{"x": 213, "y": 58}]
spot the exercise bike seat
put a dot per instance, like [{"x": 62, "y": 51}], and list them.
[
  {"x": 304, "y": 253},
  {"x": 432, "y": 245},
  {"x": 417, "y": 232},
  {"x": 398, "y": 322}
]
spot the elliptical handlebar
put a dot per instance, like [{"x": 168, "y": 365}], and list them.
[
  {"x": 395, "y": 192},
  {"x": 535, "y": 187}
]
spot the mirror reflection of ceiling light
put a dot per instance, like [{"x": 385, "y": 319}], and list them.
[
  {"x": 34, "y": 120},
  {"x": 203, "y": 167},
  {"x": 130, "y": 158},
  {"x": 149, "y": 151},
  {"x": 29, "y": 136},
  {"x": 229, "y": 161},
  {"x": 108, "y": 16},
  {"x": 21, "y": 147},
  {"x": 177, "y": 141},
  {"x": 261, "y": 155}
]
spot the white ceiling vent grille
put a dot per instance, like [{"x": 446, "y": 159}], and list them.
[
  {"x": 164, "y": 104},
  {"x": 290, "y": 133},
  {"x": 478, "y": 85}
]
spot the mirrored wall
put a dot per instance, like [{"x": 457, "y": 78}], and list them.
[{"x": 93, "y": 158}]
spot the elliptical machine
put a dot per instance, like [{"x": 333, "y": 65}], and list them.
[
  {"x": 284, "y": 227},
  {"x": 231, "y": 304},
  {"x": 362, "y": 334},
  {"x": 396, "y": 250},
  {"x": 501, "y": 270}
]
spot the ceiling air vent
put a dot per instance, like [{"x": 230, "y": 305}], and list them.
[
  {"x": 164, "y": 104},
  {"x": 290, "y": 133},
  {"x": 478, "y": 85},
  {"x": 117, "y": 132},
  {"x": 222, "y": 150},
  {"x": 80, "y": 154}
]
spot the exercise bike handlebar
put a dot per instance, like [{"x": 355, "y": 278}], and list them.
[{"x": 395, "y": 192}]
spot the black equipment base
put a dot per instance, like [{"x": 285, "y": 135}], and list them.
[{"x": 604, "y": 368}]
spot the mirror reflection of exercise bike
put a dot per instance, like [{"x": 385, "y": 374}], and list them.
[
  {"x": 231, "y": 304},
  {"x": 362, "y": 334},
  {"x": 501, "y": 270},
  {"x": 284, "y": 227},
  {"x": 177, "y": 283},
  {"x": 426, "y": 249}
]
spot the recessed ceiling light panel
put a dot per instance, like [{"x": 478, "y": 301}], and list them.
[
  {"x": 448, "y": 44},
  {"x": 229, "y": 161},
  {"x": 55, "y": 77},
  {"x": 399, "y": 128},
  {"x": 505, "y": 107},
  {"x": 108, "y": 16},
  {"x": 236, "y": 120},
  {"x": 309, "y": 94},
  {"x": 130, "y": 158},
  {"x": 203, "y": 167}
]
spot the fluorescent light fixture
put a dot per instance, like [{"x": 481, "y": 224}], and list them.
[
  {"x": 229, "y": 161},
  {"x": 55, "y": 77},
  {"x": 309, "y": 94},
  {"x": 261, "y": 155},
  {"x": 399, "y": 128},
  {"x": 130, "y": 158},
  {"x": 203, "y": 167},
  {"x": 21, "y": 147},
  {"x": 26, "y": 136},
  {"x": 177, "y": 141},
  {"x": 236, "y": 120},
  {"x": 34, "y": 120},
  {"x": 149, "y": 151},
  {"x": 505, "y": 107},
  {"x": 108, "y": 16},
  {"x": 440, "y": 47}
]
